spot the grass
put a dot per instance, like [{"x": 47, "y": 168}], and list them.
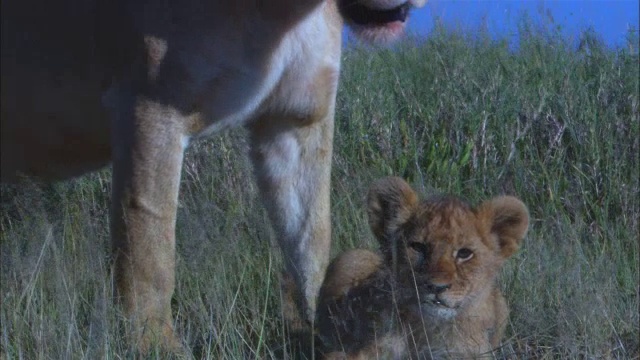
[{"x": 552, "y": 123}]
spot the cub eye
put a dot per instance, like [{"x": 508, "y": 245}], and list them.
[
  {"x": 419, "y": 247},
  {"x": 421, "y": 256},
  {"x": 464, "y": 254}
]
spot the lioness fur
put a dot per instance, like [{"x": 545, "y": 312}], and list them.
[
  {"x": 86, "y": 82},
  {"x": 430, "y": 292}
]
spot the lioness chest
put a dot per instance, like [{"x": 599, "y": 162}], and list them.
[{"x": 294, "y": 84}]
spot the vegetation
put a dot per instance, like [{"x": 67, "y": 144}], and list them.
[{"x": 548, "y": 121}]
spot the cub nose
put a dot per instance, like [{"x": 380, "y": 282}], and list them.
[{"x": 438, "y": 288}]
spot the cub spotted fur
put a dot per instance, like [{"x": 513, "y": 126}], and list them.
[{"x": 431, "y": 290}]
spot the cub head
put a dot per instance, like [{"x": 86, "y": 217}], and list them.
[
  {"x": 447, "y": 250},
  {"x": 378, "y": 21}
]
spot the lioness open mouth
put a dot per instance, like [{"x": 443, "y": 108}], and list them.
[{"x": 362, "y": 15}]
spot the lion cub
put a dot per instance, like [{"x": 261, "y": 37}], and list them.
[{"x": 431, "y": 290}]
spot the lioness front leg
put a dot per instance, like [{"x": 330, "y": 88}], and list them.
[
  {"x": 293, "y": 168},
  {"x": 148, "y": 149}
]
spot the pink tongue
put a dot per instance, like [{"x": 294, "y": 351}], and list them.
[{"x": 395, "y": 26}]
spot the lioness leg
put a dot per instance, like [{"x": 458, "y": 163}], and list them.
[
  {"x": 147, "y": 153},
  {"x": 292, "y": 166}
]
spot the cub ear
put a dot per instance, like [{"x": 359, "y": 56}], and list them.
[
  {"x": 508, "y": 218},
  {"x": 391, "y": 202}
]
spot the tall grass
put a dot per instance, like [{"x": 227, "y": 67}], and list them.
[{"x": 550, "y": 122}]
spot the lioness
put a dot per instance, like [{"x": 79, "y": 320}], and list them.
[
  {"x": 85, "y": 82},
  {"x": 431, "y": 291}
]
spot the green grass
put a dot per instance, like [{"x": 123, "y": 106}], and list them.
[{"x": 554, "y": 124}]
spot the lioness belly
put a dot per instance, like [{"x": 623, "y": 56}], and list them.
[
  {"x": 53, "y": 125},
  {"x": 51, "y": 128}
]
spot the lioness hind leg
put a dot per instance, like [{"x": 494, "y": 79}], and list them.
[{"x": 292, "y": 165}]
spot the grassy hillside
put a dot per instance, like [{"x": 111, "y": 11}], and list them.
[{"x": 550, "y": 122}]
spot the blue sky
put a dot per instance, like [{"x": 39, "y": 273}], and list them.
[{"x": 610, "y": 19}]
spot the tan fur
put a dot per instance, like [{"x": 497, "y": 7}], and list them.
[
  {"x": 85, "y": 82},
  {"x": 387, "y": 304}
]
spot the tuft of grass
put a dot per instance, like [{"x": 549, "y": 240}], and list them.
[{"x": 552, "y": 123}]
